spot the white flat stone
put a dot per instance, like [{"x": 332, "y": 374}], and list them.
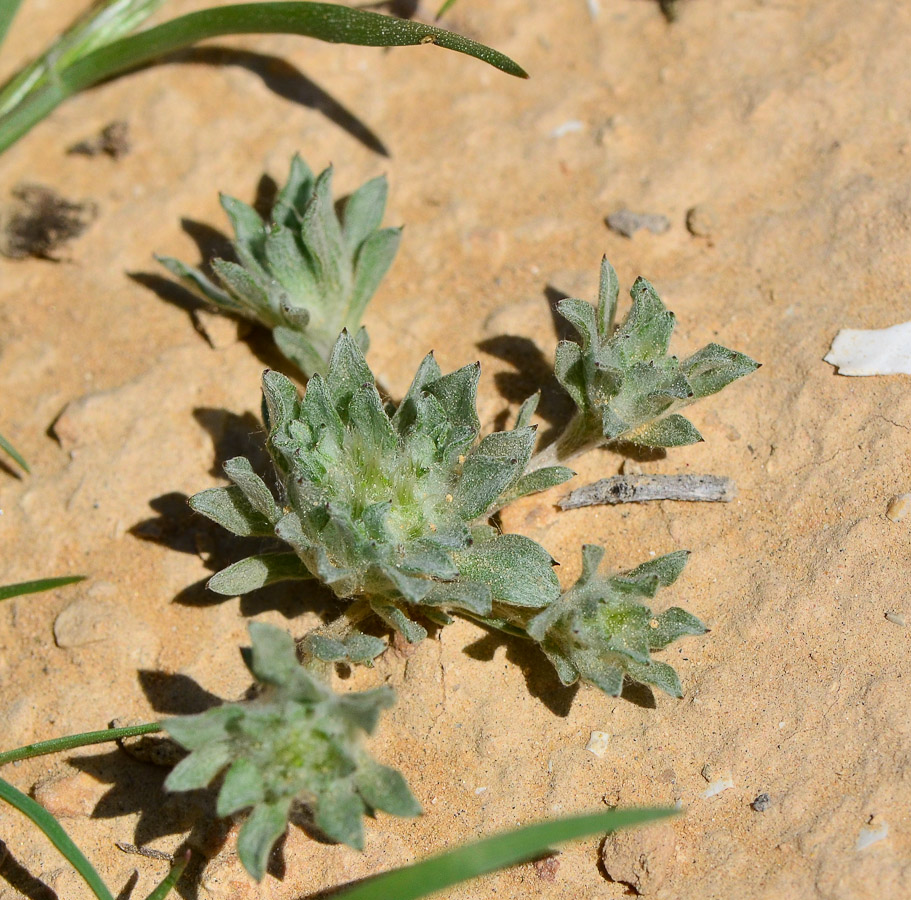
[{"x": 880, "y": 351}]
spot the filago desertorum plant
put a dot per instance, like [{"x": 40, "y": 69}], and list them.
[
  {"x": 307, "y": 273},
  {"x": 297, "y": 742}
]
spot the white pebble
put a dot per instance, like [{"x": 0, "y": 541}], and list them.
[
  {"x": 869, "y": 836},
  {"x": 879, "y": 351},
  {"x": 598, "y": 742}
]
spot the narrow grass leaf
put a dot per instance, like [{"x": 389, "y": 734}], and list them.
[
  {"x": 35, "y": 587},
  {"x": 324, "y": 21},
  {"x": 8, "y": 10},
  {"x": 8, "y": 448},
  {"x": 165, "y": 886},
  {"x": 56, "y": 835},
  {"x": 448, "y": 869},
  {"x": 71, "y": 741}
]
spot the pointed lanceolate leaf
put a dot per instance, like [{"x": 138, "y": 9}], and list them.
[
  {"x": 714, "y": 367},
  {"x": 254, "y": 488},
  {"x": 292, "y": 199},
  {"x": 242, "y": 787},
  {"x": 518, "y": 571},
  {"x": 199, "y": 768},
  {"x": 582, "y": 317},
  {"x": 259, "y": 833},
  {"x": 385, "y": 789},
  {"x": 659, "y": 674},
  {"x": 491, "y": 468},
  {"x": 646, "y": 331},
  {"x": 674, "y": 623},
  {"x": 199, "y": 284},
  {"x": 462, "y": 594},
  {"x": 608, "y": 294},
  {"x": 363, "y": 211},
  {"x": 665, "y": 569},
  {"x": 257, "y": 572},
  {"x": 322, "y": 234},
  {"x": 339, "y": 814},
  {"x": 536, "y": 481},
  {"x": 457, "y": 394},
  {"x": 246, "y": 289},
  {"x": 592, "y": 555},
  {"x": 348, "y": 371},
  {"x": 527, "y": 410},
  {"x": 281, "y": 399},
  {"x": 609, "y": 679},
  {"x": 232, "y": 510},
  {"x": 391, "y": 614},
  {"x": 671, "y": 431},
  {"x": 273, "y": 659},
  {"x": 364, "y": 707},
  {"x": 570, "y": 372},
  {"x": 372, "y": 262},
  {"x": 249, "y": 228}
]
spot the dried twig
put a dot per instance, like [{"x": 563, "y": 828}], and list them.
[
  {"x": 642, "y": 488},
  {"x": 148, "y": 852}
]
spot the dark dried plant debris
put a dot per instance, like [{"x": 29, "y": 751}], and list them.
[
  {"x": 40, "y": 222},
  {"x": 113, "y": 140},
  {"x": 669, "y": 9}
]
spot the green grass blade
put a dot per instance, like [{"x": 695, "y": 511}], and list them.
[
  {"x": 472, "y": 860},
  {"x": 10, "y": 450},
  {"x": 102, "y": 23},
  {"x": 8, "y": 10},
  {"x": 324, "y": 21},
  {"x": 164, "y": 888},
  {"x": 57, "y": 745},
  {"x": 56, "y": 835},
  {"x": 445, "y": 8},
  {"x": 35, "y": 587}
]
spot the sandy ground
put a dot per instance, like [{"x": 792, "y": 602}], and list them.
[{"x": 788, "y": 122}]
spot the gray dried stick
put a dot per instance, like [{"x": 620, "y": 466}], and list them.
[{"x": 642, "y": 488}]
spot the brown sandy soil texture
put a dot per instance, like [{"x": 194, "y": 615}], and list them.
[{"x": 787, "y": 125}]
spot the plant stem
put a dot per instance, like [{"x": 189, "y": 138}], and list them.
[
  {"x": 581, "y": 435},
  {"x": 56, "y": 745}
]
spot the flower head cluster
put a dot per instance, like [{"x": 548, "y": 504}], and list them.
[{"x": 600, "y": 631}]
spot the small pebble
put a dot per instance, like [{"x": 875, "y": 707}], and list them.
[
  {"x": 627, "y": 223},
  {"x": 899, "y": 507},
  {"x": 598, "y": 742},
  {"x": 896, "y": 618},
  {"x": 762, "y": 802},
  {"x": 546, "y": 869}
]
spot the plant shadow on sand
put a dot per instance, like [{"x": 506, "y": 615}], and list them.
[{"x": 179, "y": 528}]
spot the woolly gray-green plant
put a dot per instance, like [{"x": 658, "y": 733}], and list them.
[
  {"x": 624, "y": 384},
  {"x": 386, "y": 506},
  {"x": 306, "y": 274},
  {"x": 298, "y": 741}
]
